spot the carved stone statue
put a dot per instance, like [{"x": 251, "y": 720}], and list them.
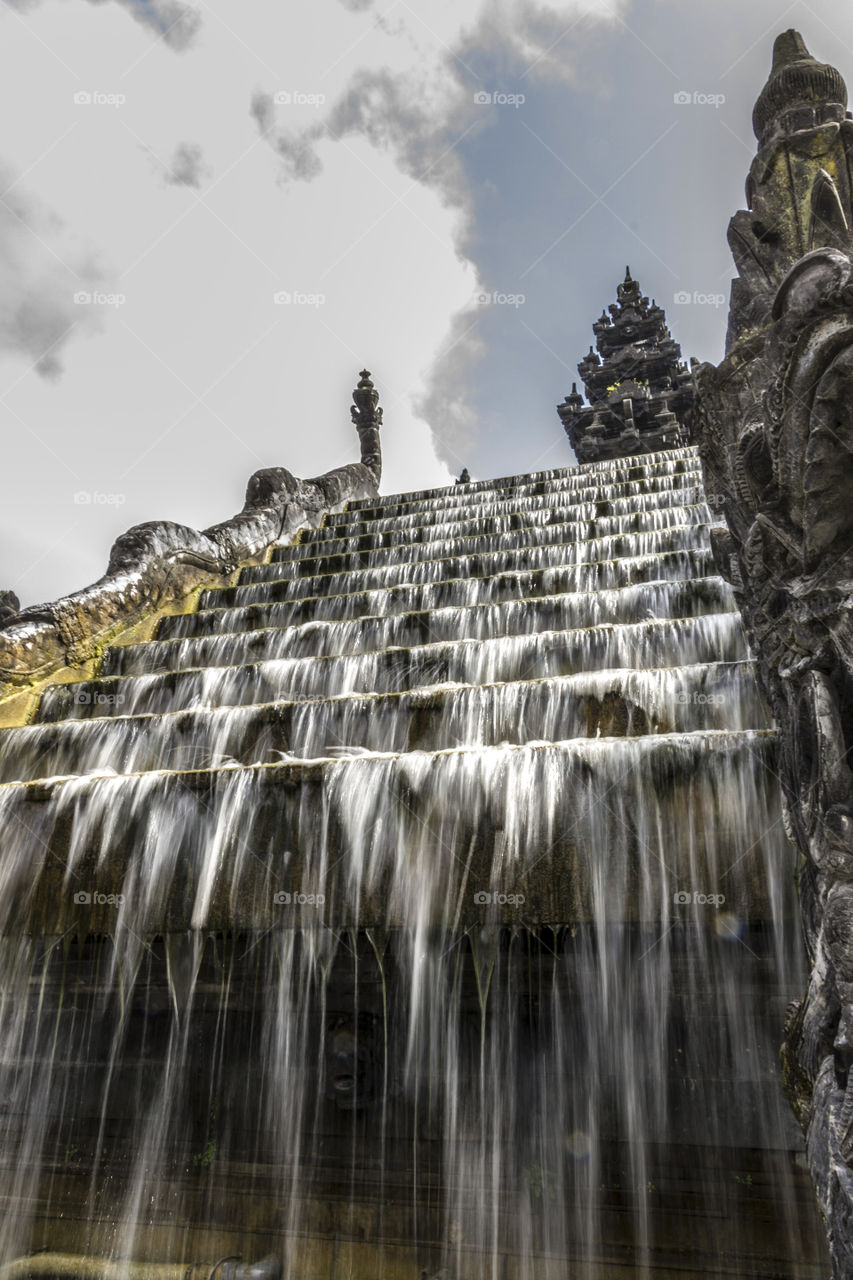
[{"x": 774, "y": 425}]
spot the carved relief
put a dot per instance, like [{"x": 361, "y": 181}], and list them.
[{"x": 775, "y": 429}]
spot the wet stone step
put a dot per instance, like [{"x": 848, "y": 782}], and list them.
[
  {"x": 474, "y": 535},
  {"x": 428, "y": 839},
  {"x": 668, "y": 462},
  {"x": 612, "y": 571},
  {"x": 584, "y": 504},
  {"x": 580, "y": 543},
  {"x": 516, "y": 510},
  {"x": 365, "y": 634},
  {"x": 632, "y": 576},
  {"x": 654, "y": 479},
  {"x": 611, "y": 703},
  {"x": 394, "y": 565},
  {"x": 679, "y": 642}
]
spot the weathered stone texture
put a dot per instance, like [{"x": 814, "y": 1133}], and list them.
[{"x": 775, "y": 431}]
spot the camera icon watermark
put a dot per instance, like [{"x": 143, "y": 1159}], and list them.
[
  {"x": 85, "y": 698},
  {"x": 284, "y": 899},
  {"x": 482, "y": 899},
  {"x": 697, "y": 698},
  {"x": 684, "y": 297},
  {"x": 93, "y": 498},
  {"x": 83, "y": 898},
  {"x": 681, "y": 98},
  {"x": 296, "y": 98},
  {"x": 85, "y": 298},
  {"x": 484, "y": 99},
  {"x": 681, "y": 898},
  {"x": 498, "y": 299},
  {"x": 294, "y": 298},
  {"x": 96, "y": 98}
]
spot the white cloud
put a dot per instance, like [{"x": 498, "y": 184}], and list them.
[{"x": 200, "y": 378}]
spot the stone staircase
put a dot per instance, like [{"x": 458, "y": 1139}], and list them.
[
  {"x": 497, "y": 709},
  {"x": 562, "y": 620}
]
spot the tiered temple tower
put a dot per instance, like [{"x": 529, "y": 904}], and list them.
[{"x": 639, "y": 391}]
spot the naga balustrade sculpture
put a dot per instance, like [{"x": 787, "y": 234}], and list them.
[{"x": 157, "y": 563}]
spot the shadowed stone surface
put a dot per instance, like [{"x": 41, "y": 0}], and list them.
[{"x": 775, "y": 430}]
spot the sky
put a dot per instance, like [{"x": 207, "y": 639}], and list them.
[{"x": 214, "y": 213}]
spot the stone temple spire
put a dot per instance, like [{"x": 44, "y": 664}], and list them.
[
  {"x": 639, "y": 391},
  {"x": 799, "y": 192}
]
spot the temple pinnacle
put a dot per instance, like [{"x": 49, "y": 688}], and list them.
[{"x": 789, "y": 47}]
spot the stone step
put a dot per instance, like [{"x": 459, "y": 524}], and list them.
[
  {"x": 573, "y": 548},
  {"x": 366, "y": 634},
  {"x": 475, "y": 535},
  {"x": 334, "y": 574},
  {"x": 669, "y": 642},
  {"x": 609, "y": 703},
  {"x": 587, "y": 504},
  {"x": 574, "y": 485},
  {"x": 620, "y": 591},
  {"x": 606, "y": 829},
  {"x": 584, "y": 542},
  {"x": 664, "y": 462}
]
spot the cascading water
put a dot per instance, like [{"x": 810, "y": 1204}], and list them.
[{"x": 421, "y": 905}]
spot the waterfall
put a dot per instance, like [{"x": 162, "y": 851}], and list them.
[{"x": 419, "y": 906}]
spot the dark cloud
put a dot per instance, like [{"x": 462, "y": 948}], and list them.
[
  {"x": 187, "y": 167},
  {"x": 42, "y": 271},
  {"x": 177, "y": 23},
  {"x": 296, "y": 148},
  {"x": 393, "y": 113}
]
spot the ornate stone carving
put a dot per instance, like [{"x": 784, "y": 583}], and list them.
[
  {"x": 367, "y": 417},
  {"x": 799, "y": 192},
  {"x": 640, "y": 393},
  {"x": 775, "y": 428}
]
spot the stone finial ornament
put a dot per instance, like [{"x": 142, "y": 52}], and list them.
[
  {"x": 774, "y": 425},
  {"x": 367, "y": 417}
]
